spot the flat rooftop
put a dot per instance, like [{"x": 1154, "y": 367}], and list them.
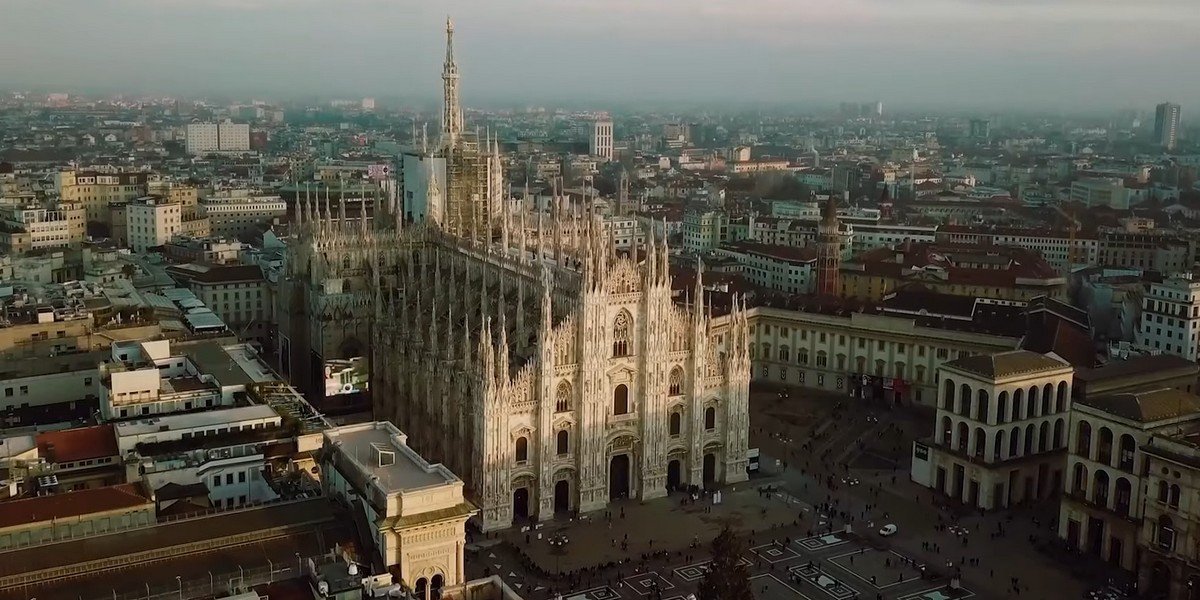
[
  {"x": 194, "y": 420},
  {"x": 380, "y": 450},
  {"x": 49, "y": 365}
]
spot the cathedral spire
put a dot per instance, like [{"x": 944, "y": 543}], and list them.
[{"x": 452, "y": 117}]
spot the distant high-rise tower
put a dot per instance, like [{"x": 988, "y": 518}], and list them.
[
  {"x": 980, "y": 129},
  {"x": 601, "y": 142},
  {"x": 829, "y": 251},
  {"x": 452, "y": 116},
  {"x": 1166, "y": 125}
]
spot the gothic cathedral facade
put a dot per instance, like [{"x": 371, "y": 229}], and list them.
[{"x": 549, "y": 377}]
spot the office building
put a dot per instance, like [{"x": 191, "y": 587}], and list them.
[
  {"x": 217, "y": 138},
  {"x": 1171, "y": 317},
  {"x": 601, "y": 141},
  {"x": 1166, "y": 125}
]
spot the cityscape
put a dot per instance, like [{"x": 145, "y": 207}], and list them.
[{"x": 443, "y": 333}]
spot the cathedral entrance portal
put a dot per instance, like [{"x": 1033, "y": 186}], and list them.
[
  {"x": 674, "y": 478},
  {"x": 520, "y": 504},
  {"x": 618, "y": 477},
  {"x": 710, "y": 469},
  {"x": 562, "y": 496}
]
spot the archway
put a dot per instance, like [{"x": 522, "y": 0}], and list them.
[
  {"x": 710, "y": 469},
  {"x": 520, "y": 503},
  {"x": 618, "y": 477},
  {"x": 674, "y": 475},
  {"x": 1160, "y": 581},
  {"x": 435, "y": 586},
  {"x": 562, "y": 496},
  {"x": 422, "y": 585}
]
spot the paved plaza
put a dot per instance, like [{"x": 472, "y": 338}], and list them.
[{"x": 809, "y": 523}]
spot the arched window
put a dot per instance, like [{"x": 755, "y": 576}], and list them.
[
  {"x": 1058, "y": 434},
  {"x": 522, "y": 451},
  {"x": 998, "y": 446},
  {"x": 621, "y": 341},
  {"x": 1163, "y": 491},
  {"x": 1014, "y": 442},
  {"x": 1002, "y": 408},
  {"x": 1173, "y": 497},
  {"x": 1018, "y": 404},
  {"x": 802, "y": 356},
  {"x": 980, "y": 442},
  {"x": 1031, "y": 403},
  {"x": 1079, "y": 479},
  {"x": 879, "y": 363},
  {"x": 1126, "y": 453},
  {"x": 710, "y": 418},
  {"x": 1164, "y": 535},
  {"x": 981, "y": 406},
  {"x": 1044, "y": 436},
  {"x": 1100, "y": 488},
  {"x": 621, "y": 400},
  {"x": 1083, "y": 440},
  {"x": 948, "y": 394},
  {"x": 562, "y": 398},
  {"x": 563, "y": 442},
  {"x": 1060, "y": 403},
  {"x": 674, "y": 423},
  {"x": 675, "y": 387},
  {"x": 964, "y": 435},
  {"x": 1104, "y": 446},
  {"x": 822, "y": 359},
  {"x": 1047, "y": 397},
  {"x": 1123, "y": 496},
  {"x": 1030, "y": 433},
  {"x": 947, "y": 431},
  {"x": 785, "y": 354},
  {"x": 964, "y": 401}
]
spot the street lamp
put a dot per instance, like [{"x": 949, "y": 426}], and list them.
[
  {"x": 179, "y": 580},
  {"x": 299, "y": 565}
]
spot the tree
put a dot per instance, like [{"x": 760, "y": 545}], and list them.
[{"x": 727, "y": 577}]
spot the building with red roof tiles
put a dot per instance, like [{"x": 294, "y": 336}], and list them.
[
  {"x": 74, "y": 515},
  {"x": 1000, "y": 272}
]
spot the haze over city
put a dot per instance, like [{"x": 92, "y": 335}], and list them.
[{"x": 1026, "y": 54}]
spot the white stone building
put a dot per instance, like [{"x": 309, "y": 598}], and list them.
[
  {"x": 214, "y": 138},
  {"x": 1170, "y": 320},
  {"x": 152, "y": 222},
  {"x": 601, "y": 141},
  {"x": 415, "y": 512},
  {"x": 1001, "y": 429}
]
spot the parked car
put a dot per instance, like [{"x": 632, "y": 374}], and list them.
[{"x": 888, "y": 530}]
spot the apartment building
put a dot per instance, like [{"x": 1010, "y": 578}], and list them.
[
  {"x": 151, "y": 222},
  {"x": 780, "y": 268},
  {"x": 26, "y": 227},
  {"x": 232, "y": 212},
  {"x": 238, "y": 294},
  {"x": 1170, "y": 320},
  {"x": 96, "y": 190},
  {"x": 1169, "y": 540}
]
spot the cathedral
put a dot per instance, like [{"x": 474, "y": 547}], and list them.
[{"x": 551, "y": 374}]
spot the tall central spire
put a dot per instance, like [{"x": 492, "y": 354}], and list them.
[{"x": 452, "y": 117}]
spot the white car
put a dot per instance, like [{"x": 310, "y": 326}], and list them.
[{"x": 888, "y": 530}]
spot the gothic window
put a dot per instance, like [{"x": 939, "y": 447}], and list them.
[
  {"x": 562, "y": 400},
  {"x": 675, "y": 423},
  {"x": 621, "y": 400},
  {"x": 563, "y": 442},
  {"x": 522, "y": 449},
  {"x": 710, "y": 418},
  {"x": 675, "y": 386},
  {"x": 621, "y": 335}
]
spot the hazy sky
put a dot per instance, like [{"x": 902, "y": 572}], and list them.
[{"x": 985, "y": 53}]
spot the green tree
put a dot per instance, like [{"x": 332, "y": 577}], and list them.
[{"x": 727, "y": 577}]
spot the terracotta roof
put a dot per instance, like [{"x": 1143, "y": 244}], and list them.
[
  {"x": 1149, "y": 406},
  {"x": 1006, "y": 364},
  {"x": 73, "y": 504},
  {"x": 74, "y": 445}
]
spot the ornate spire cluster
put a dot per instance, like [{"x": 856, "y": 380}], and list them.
[{"x": 452, "y": 116}]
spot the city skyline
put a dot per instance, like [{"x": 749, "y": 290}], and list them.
[{"x": 919, "y": 53}]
